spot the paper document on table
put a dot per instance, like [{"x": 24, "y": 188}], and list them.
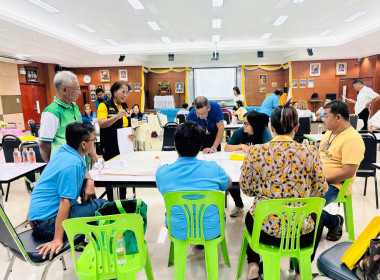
[
  {"x": 125, "y": 144},
  {"x": 131, "y": 171},
  {"x": 212, "y": 157}
]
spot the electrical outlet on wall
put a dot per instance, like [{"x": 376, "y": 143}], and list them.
[{"x": 18, "y": 100}]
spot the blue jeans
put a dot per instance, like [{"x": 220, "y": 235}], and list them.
[
  {"x": 46, "y": 229},
  {"x": 330, "y": 221}
]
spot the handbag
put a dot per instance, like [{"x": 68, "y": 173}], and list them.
[
  {"x": 123, "y": 207},
  {"x": 369, "y": 267}
]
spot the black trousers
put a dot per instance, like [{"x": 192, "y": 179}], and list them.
[
  {"x": 210, "y": 139},
  {"x": 235, "y": 194},
  {"x": 364, "y": 115}
]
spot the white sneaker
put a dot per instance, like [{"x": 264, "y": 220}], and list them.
[{"x": 236, "y": 211}]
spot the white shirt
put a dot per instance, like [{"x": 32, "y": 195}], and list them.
[
  {"x": 183, "y": 112},
  {"x": 320, "y": 110},
  {"x": 304, "y": 113},
  {"x": 239, "y": 97},
  {"x": 365, "y": 96}
]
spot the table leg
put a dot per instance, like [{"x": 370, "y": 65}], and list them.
[
  {"x": 6, "y": 196},
  {"x": 1, "y": 196}
]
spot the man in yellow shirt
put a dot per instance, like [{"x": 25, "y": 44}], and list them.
[{"x": 341, "y": 149}]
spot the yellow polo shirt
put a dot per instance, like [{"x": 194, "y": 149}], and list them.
[{"x": 103, "y": 113}]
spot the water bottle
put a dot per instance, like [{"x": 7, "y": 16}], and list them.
[
  {"x": 157, "y": 162},
  {"x": 31, "y": 156},
  {"x": 320, "y": 129},
  {"x": 101, "y": 164},
  {"x": 25, "y": 155},
  {"x": 16, "y": 156},
  {"x": 120, "y": 250}
]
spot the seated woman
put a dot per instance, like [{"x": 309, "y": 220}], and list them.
[
  {"x": 137, "y": 115},
  {"x": 241, "y": 111},
  {"x": 88, "y": 115},
  {"x": 281, "y": 168},
  {"x": 302, "y": 110},
  {"x": 255, "y": 131}
]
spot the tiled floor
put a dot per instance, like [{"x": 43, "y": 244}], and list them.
[{"x": 16, "y": 208}]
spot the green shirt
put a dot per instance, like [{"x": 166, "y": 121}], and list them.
[{"x": 54, "y": 120}]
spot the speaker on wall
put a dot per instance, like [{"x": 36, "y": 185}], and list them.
[
  {"x": 121, "y": 58},
  {"x": 260, "y": 54},
  {"x": 171, "y": 57},
  {"x": 310, "y": 51}
]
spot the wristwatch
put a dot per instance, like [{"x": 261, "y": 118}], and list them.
[{"x": 213, "y": 148}]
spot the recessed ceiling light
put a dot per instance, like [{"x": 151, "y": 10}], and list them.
[
  {"x": 280, "y": 20},
  {"x": 266, "y": 36},
  {"x": 325, "y": 33},
  {"x": 354, "y": 16},
  {"x": 2, "y": 29},
  {"x": 166, "y": 40},
  {"x": 217, "y": 3},
  {"x": 215, "y": 38},
  {"x": 85, "y": 27},
  {"x": 111, "y": 42},
  {"x": 216, "y": 23},
  {"x": 45, "y": 6},
  {"x": 136, "y": 4},
  {"x": 153, "y": 25},
  {"x": 298, "y": 1}
]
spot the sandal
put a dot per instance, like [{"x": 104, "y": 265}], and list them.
[{"x": 336, "y": 233}]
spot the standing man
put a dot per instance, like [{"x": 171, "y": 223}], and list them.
[
  {"x": 209, "y": 115},
  {"x": 270, "y": 102},
  {"x": 99, "y": 97},
  {"x": 365, "y": 97}
]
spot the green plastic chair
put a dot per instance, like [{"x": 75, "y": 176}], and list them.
[
  {"x": 290, "y": 242},
  {"x": 97, "y": 261},
  {"x": 196, "y": 208}
]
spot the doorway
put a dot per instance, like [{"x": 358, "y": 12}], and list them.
[
  {"x": 83, "y": 98},
  {"x": 33, "y": 100}
]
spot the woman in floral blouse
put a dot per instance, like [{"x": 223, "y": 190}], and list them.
[{"x": 281, "y": 168}]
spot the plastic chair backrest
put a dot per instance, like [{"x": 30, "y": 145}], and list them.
[
  {"x": 36, "y": 148},
  {"x": 290, "y": 241},
  {"x": 10, "y": 142},
  {"x": 181, "y": 118},
  {"x": 168, "y": 141},
  {"x": 370, "y": 153},
  {"x": 226, "y": 117},
  {"x": 195, "y": 208},
  {"x": 304, "y": 127},
  {"x": 103, "y": 239},
  {"x": 354, "y": 121},
  {"x": 32, "y": 126}
]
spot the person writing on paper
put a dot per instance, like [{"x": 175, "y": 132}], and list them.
[
  {"x": 255, "y": 131},
  {"x": 112, "y": 115},
  {"x": 209, "y": 115},
  {"x": 192, "y": 174},
  {"x": 137, "y": 115}
]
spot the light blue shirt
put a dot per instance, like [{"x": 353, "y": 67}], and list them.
[
  {"x": 269, "y": 103},
  {"x": 62, "y": 178},
  {"x": 191, "y": 174}
]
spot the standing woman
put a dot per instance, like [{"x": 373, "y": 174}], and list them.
[
  {"x": 237, "y": 97},
  {"x": 136, "y": 114},
  {"x": 88, "y": 115}
]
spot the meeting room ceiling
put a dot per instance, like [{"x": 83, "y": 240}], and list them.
[{"x": 95, "y": 32}]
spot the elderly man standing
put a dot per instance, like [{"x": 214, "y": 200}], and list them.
[{"x": 209, "y": 115}]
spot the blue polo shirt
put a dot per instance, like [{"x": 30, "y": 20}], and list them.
[
  {"x": 269, "y": 103},
  {"x": 215, "y": 115},
  {"x": 237, "y": 137},
  {"x": 191, "y": 174},
  {"x": 62, "y": 178}
]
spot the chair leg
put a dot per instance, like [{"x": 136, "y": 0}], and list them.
[
  {"x": 305, "y": 267},
  {"x": 180, "y": 254},
  {"x": 6, "y": 196},
  {"x": 243, "y": 252},
  {"x": 365, "y": 187},
  {"x": 148, "y": 266},
  {"x": 349, "y": 218},
  {"x": 171, "y": 254},
  {"x": 376, "y": 194},
  {"x": 44, "y": 274},
  {"x": 223, "y": 246},
  {"x": 9, "y": 269},
  {"x": 272, "y": 266},
  {"x": 63, "y": 263},
  {"x": 211, "y": 256}
]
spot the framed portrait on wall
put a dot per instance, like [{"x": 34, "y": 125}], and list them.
[
  {"x": 31, "y": 75},
  {"x": 93, "y": 97},
  {"x": 105, "y": 76},
  {"x": 107, "y": 96},
  {"x": 315, "y": 69},
  {"x": 263, "y": 89},
  {"x": 137, "y": 87},
  {"x": 341, "y": 68},
  {"x": 92, "y": 88},
  {"x": 179, "y": 88},
  {"x": 295, "y": 84},
  {"x": 123, "y": 74},
  {"x": 274, "y": 84},
  {"x": 262, "y": 79},
  {"x": 310, "y": 83},
  {"x": 302, "y": 83},
  {"x": 107, "y": 88}
]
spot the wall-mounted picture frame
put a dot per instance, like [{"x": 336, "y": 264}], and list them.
[
  {"x": 137, "y": 87},
  {"x": 107, "y": 96},
  {"x": 263, "y": 89},
  {"x": 302, "y": 83},
  {"x": 123, "y": 74},
  {"x": 274, "y": 84},
  {"x": 100, "y": 86},
  {"x": 179, "y": 88},
  {"x": 93, "y": 97},
  {"x": 107, "y": 88},
  {"x": 105, "y": 76},
  {"x": 92, "y": 88},
  {"x": 31, "y": 75},
  {"x": 295, "y": 84},
  {"x": 315, "y": 69},
  {"x": 310, "y": 83},
  {"x": 262, "y": 79},
  {"x": 130, "y": 86},
  {"x": 341, "y": 68}
]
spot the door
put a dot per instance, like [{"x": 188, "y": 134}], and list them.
[
  {"x": 350, "y": 91},
  {"x": 33, "y": 99},
  {"x": 83, "y": 98}
]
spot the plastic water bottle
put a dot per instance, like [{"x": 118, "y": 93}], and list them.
[
  {"x": 120, "y": 250},
  {"x": 31, "y": 156},
  {"x": 157, "y": 162},
  {"x": 25, "y": 155},
  {"x": 101, "y": 164},
  {"x": 16, "y": 156},
  {"x": 320, "y": 129}
]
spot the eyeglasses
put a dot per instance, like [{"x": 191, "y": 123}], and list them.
[
  {"x": 246, "y": 123},
  {"x": 94, "y": 140},
  {"x": 202, "y": 114},
  {"x": 76, "y": 89}
]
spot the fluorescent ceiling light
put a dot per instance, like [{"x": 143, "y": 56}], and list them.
[
  {"x": 166, "y": 40},
  {"x": 2, "y": 29},
  {"x": 280, "y": 20},
  {"x": 215, "y": 38},
  {"x": 85, "y": 27},
  {"x": 298, "y": 1},
  {"x": 45, "y": 6},
  {"x": 153, "y": 25},
  {"x": 136, "y": 4},
  {"x": 217, "y": 3},
  {"x": 111, "y": 42},
  {"x": 216, "y": 23},
  {"x": 354, "y": 16},
  {"x": 266, "y": 36},
  {"x": 325, "y": 33}
]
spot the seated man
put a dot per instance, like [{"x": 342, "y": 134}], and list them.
[
  {"x": 190, "y": 174},
  {"x": 54, "y": 198},
  {"x": 341, "y": 149}
]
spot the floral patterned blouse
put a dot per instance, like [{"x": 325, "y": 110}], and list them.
[{"x": 282, "y": 168}]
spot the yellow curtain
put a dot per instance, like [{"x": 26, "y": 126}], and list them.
[
  {"x": 142, "y": 101},
  {"x": 186, "y": 87}
]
